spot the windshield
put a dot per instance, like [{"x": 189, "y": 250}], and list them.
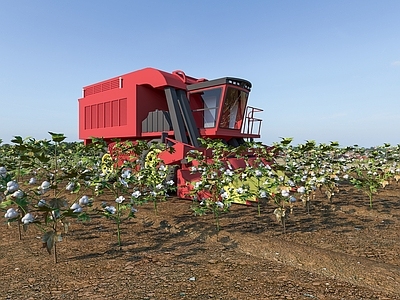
[
  {"x": 234, "y": 108},
  {"x": 206, "y": 104}
]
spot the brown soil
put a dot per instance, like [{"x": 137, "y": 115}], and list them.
[{"x": 341, "y": 250}]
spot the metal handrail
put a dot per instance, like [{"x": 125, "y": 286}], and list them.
[{"x": 251, "y": 124}]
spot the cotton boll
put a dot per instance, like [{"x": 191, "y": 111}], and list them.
[
  {"x": 84, "y": 200},
  {"x": 11, "y": 213},
  {"x": 18, "y": 194},
  {"x": 12, "y": 186},
  {"x": 28, "y": 218}
]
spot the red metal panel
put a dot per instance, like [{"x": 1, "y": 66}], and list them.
[
  {"x": 87, "y": 117},
  {"x": 123, "y": 112},
  {"x": 115, "y": 113},
  {"x": 93, "y": 115},
  {"x": 107, "y": 114},
  {"x": 100, "y": 115}
]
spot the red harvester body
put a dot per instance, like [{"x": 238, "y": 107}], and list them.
[{"x": 150, "y": 104}]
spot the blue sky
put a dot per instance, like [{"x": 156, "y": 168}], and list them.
[{"x": 321, "y": 70}]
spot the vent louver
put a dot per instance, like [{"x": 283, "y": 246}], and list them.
[{"x": 102, "y": 87}]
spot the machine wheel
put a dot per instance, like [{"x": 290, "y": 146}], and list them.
[
  {"x": 107, "y": 164},
  {"x": 150, "y": 158}
]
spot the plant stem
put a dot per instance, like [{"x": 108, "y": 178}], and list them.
[
  {"x": 118, "y": 227},
  {"x": 284, "y": 224},
  {"x": 155, "y": 206},
  {"x": 370, "y": 199},
  {"x": 258, "y": 202},
  {"x": 119, "y": 235},
  {"x": 216, "y": 215},
  {"x": 55, "y": 241},
  {"x": 55, "y": 251},
  {"x": 19, "y": 230}
]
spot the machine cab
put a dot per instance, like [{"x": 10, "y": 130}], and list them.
[{"x": 220, "y": 108}]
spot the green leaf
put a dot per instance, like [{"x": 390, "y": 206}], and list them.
[
  {"x": 83, "y": 217},
  {"x": 5, "y": 204},
  {"x": 286, "y": 141},
  {"x": 57, "y": 203},
  {"x": 48, "y": 240},
  {"x": 334, "y": 144},
  {"x": 22, "y": 202},
  {"x": 57, "y": 137},
  {"x": 17, "y": 140}
]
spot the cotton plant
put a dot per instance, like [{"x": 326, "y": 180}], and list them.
[
  {"x": 79, "y": 164},
  {"x": 34, "y": 158},
  {"x": 387, "y": 159},
  {"x": 119, "y": 211},
  {"x": 37, "y": 159},
  {"x": 152, "y": 182},
  {"x": 133, "y": 179},
  {"x": 330, "y": 185},
  {"x": 259, "y": 167},
  {"x": 12, "y": 156},
  {"x": 49, "y": 214},
  {"x": 113, "y": 181},
  {"x": 369, "y": 178},
  {"x": 19, "y": 151},
  {"x": 262, "y": 178},
  {"x": 6, "y": 159},
  {"x": 214, "y": 190},
  {"x": 40, "y": 200},
  {"x": 316, "y": 166},
  {"x": 324, "y": 178},
  {"x": 393, "y": 172},
  {"x": 116, "y": 180},
  {"x": 5, "y": 178},
  {"x": 306, "y": 191},
  {"x": 330, "y": 170},
  {"x": 372, "y": 169},
  {"x": 279, "y": 190},
  {"x": 281, "y": 185},
  {"x": 53, "y": 218},
  {"x": 53, "y": 212},
  {"x": 259, "y": 174},
  {"x": 296, "y": 173},
  {"x": 299, "y": 183},
  {"x": 63, "y": 165},
  {"x": 15, "y": 200}
]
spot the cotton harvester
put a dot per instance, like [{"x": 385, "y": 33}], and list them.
[{"x": 173, "y": 108}]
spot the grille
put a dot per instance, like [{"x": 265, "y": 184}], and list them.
[{"x": 102, "y": 87}]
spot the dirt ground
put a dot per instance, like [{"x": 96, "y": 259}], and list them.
[{"x": 341, "y": 250}]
